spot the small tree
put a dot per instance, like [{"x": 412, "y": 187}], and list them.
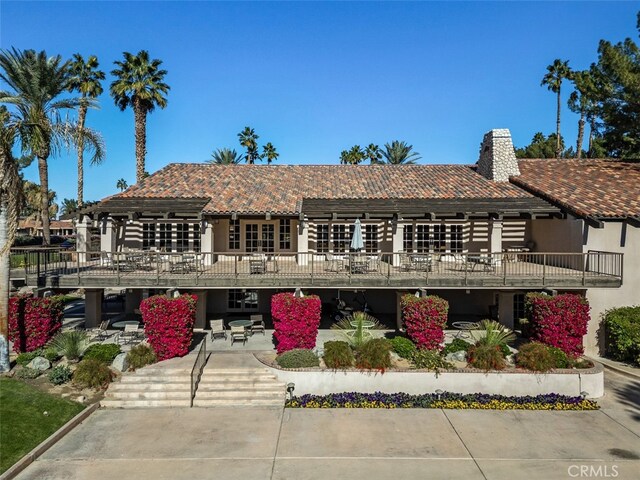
[
  {"x": 425, "y": 319},
  {"x": 295, "y": 320}
]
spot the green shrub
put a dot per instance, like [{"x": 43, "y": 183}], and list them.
[
  {"x": 338, "y": 354},
  {"x": 430, "y": 359},
  {"x": 51, "y": 354},
  {"x": 103, "y": 352},
  {"x": 92, "y": 373},
  {"x": 60, "y": 374},
  {"x": 403, "y": 347},
  {"x": 356, "y": 328},
  {"x": 456, "y": 345},
  {"x": 505, "y": 350},
  {"x": 298, "y": 358},
  {"x": 140, "y": 356},
  {"x": 374, "y": 355},
  {"x": 535, "y": 356},
  {"x": 71, "y": 344},
  {"x": 560, "y": 359},
  {"x": 486, "y": 357},
  {"x": 27, "y": 373},
  {"x": 25, "y": 357},
  {"x": 622, "y": 327},
  {"x": 582, "y": 363}
]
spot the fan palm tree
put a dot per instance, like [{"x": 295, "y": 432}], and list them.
[
  {"x": 85, "y": 79},
  {"x": 225, "y": 156},
  {"x": 397, "y": 153},
  {"x": 139, "y": 84},
  {"x": 122, "y": 184},
  {"x": 249, "y": 140},
  {"x": 373, "y": 153},
  {"x": 556, "y": 72},
  {"x": 354, "y": 156},
  {"x": 36, "y": 81},
  {"x": 269, "y": 152},
  {"x": 10, "y": 206}
]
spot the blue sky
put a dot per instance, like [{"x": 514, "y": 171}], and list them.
[{"x": 316, "y": 78}]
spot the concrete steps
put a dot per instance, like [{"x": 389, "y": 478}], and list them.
[{"x": 239, "y": 387}]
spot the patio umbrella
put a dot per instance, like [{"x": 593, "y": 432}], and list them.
[{"x": 356, "y": 240}]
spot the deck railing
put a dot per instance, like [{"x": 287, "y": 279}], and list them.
[{"x": 197, "y": 268}]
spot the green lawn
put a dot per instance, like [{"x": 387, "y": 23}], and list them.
[{"x": 23, "y": 425}]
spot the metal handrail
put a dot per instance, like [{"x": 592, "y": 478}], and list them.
[{"x": 198, "y": 366}]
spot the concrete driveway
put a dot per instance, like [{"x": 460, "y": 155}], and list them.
[{"x": 271, "y": 443}]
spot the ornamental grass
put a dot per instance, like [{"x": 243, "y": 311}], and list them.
[{"x": 476, "y": 401}]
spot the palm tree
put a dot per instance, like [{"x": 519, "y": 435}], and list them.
[
  {"x": 225, "y": 156},
  {"x": 557, "y": 72},
  {"x": 269, "y": 152},
  {"x": 36, "y": 81},
  {"x": 32, "y": 202},
  {"x": 352, "y": 157},
  {"x": 139, "y": 84},
  {"x": 582, "y": 101},
  {"x": 373, "y": 153},
  {"x": 85, "y": 79},
  {"x": 10, "y": 206},
  {"x": 122, "y": 184},
  {"x": 249, "y": 140},
  {"x": 398, "y": 153},
  {"x": 69, "y": 205}
]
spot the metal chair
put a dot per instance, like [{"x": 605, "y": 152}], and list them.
[
  {"x": 100, "y": 333},
  {"x": 131, "y": 334},
  {"x": 217, "y": 328},
  {"x": 257, "y": 324},
  {"x": 238, "y": 333}
]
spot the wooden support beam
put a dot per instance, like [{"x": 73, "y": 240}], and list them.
[
  {"x": 634, "y": 221},
  {"x": 594, "y": 222}
]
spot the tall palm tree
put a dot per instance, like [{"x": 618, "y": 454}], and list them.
[
  {"x": 32, "y": 202},
  {"x": 122, "y": 184},
  {"x": 373, "y": 153},
  {"x": 397, "y": 153},
  {"x": 249, "y": 140},
  {"x": 354, "y": 156},
  {"x": 139, "y": 84},
  {"x": 10, "y": 206},
  {"x": 556, "y": 72},
  {"x": 69, "y": 205},
  {"x": 269, "y": 152},
  {"x": 36, "y": 81},
  {"x": 583, "y": 102},
  {"x": 85, "y": 79},
  {"x": 225, "y": 156}
]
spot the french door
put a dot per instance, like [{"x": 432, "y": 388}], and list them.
[{"x": 260, "y": 237}]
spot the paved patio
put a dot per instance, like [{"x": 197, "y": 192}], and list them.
[{"x": 272, "y": 443}]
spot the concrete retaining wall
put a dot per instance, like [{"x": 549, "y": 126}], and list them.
[{"x": 321, "y": 382}]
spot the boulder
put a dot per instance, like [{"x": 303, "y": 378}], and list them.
[
  {"x": 120, "y": 363},
  {"x": 459, "y": 356},
  {"x": 81, "y": 399},
  {"x": 39, "y": 363}
]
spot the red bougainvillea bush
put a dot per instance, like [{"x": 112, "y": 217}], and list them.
[
  {"x": 168, "y": 324},
  {"x": 33, "y": 321},
  {"x": 559, "y": 321},
  {"x": 295, "y": 320},
  {"x": 424, "y": 319}
]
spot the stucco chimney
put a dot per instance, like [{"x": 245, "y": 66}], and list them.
[{"x": 497, "y": 160}]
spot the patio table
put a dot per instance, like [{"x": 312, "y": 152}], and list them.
[
  {"x": 122, "y": 323},
  {"x": 465, "y": 329},
  {"x": 242, "y": 323}
]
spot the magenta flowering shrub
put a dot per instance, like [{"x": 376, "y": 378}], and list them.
[
  {"x": 295, "y": 321},
  {"x": 168, "y": 324},
  {"x": 424, "y": 319},
  {"x": 559, "y": 321},
  {"x": 33, "y": 321}
]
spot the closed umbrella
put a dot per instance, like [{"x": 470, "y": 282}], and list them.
[{"x": 357, "y": 243}]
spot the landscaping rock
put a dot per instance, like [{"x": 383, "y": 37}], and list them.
[
  {"x": 460, "y": 356},
  {"x": 120, "y": 363},
  {"x": 81, "y": 399},
  {"x": 39, "y": 363},
  {"x": 511, "y": 360},
  {"x": 395, "y": 357}
]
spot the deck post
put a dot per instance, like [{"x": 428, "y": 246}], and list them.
[{"x": 544, "y": 269}]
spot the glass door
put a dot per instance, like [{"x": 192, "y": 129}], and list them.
[
  {"x": 268, "y": 238},
  {"x": 252, "y": 240}
]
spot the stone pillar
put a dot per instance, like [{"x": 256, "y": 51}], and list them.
[
  {"x": 397, "y": 244},
  {"x": 505, "y": 309},
  {"x": 495, "y": 240},
  {"x": 303, "y": 243},
  {"x": 132, "y": 300},
  {"x": 93, "y": 307},
  {"x": 201, "y": 308},
  {"x": 107, "y": 235},
  {"x": 207, "y": 243},
  {"x": 83, "y": 238}
]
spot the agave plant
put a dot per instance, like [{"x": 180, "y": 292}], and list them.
[
  {"x": 491, "y": 333},
  {"x": 70, "y": 344},
  {"x": 356, "y": 327}
]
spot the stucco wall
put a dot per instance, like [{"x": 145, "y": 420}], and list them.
[{"x": 557, "y": 235}]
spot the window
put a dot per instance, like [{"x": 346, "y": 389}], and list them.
[
  {"x": 242, "y": 300},
  {"x": 182, "y": 237},
  {"x": 371, "y": 238},
  {"x": 164, "y": 237},
  {"x": 342, "y": 238},
  {"x": 234, "y": 234},
  {"x": 407, "y": 238},
  {"x": 423, "y": 238},
  {"x": 285, "y": 234},
  {"x": 455, "y": 244},
  {"x": 439, "y": 238},
  {"x": 196, "y": 237},
  {"x": 518, "y": 306},
  {"x": 148, "y": 235},
  {"x": 322, "y": 238}
]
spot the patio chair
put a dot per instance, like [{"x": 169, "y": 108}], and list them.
[
  {"x": 258, "y": 324},
  {"x": 217, "y": 328},
  {"x": 132, "y": 334},
  {"x": 106, "y": 260},
  {"x": 374, "y": 264},
  {"x": 334, "y": 264},
  {"x": 100, "y": 333},
  {"x": 238, "y": 333}
]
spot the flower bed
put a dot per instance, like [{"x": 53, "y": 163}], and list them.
[{"x": 476, "y": 401}]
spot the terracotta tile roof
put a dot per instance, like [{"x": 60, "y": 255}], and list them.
[
  {"x": 53, "y": 224},
  {"x": 596, "y": 188},
  {"x": 281, "y": 188}
]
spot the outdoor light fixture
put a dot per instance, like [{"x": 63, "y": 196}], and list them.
[
  {"x": 290, "y": 388},
  {"x": 439, "y": 393},
  {"x": 584, "y": 395},
  {"x": 298, "y": 293}
]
